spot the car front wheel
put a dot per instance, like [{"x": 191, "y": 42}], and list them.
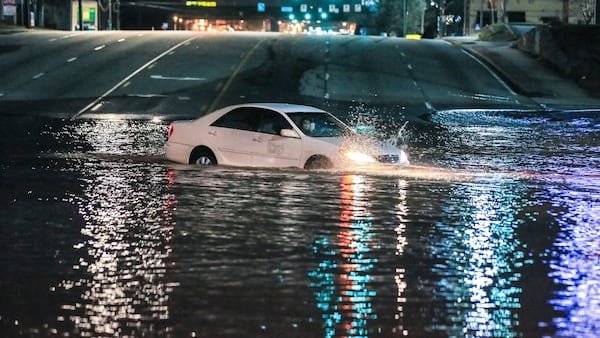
[
  {"x": 203, "y": 156},
  {"x": 318, "y": 162}
]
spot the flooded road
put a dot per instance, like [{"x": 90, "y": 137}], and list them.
[{"x": 493, "y": 232}]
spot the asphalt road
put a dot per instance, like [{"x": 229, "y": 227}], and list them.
[{"x": 184, "y": 74}]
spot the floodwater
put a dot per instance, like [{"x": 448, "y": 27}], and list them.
[{"x": 494, "y": 232}]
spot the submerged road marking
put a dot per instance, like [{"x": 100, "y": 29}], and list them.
[
  {"x": 38, "y": 75},
  {"x": 128, "y": 77},
  {"x": 177, "y": 78}
]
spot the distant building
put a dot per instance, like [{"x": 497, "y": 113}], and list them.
[
  {"x": 148, "y": 14},
  {"x": 484, "y": 12}
]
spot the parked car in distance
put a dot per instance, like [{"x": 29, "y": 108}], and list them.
[{"x": 276, "y": 135}]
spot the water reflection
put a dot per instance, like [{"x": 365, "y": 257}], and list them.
[
  {"x": 120, "y": 286},
  {"x": 341, "y": 281},
  {"x": 344, "y": 282},
  {"x": 483, "y": 258},
  {"x": 402, "y": 212},
  {"x": 294, "y": 253},
  {"x": 575, "y": 262}
]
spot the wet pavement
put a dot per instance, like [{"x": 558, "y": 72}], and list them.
[{"x": 491, "y": 232}]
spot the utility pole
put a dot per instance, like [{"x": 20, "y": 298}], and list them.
[
  {"x": 80, "y": 15},
  {"x": 109, "y": 25},
  {"x": 404, "y": 24},
  {"x": 442, "y": 18},
  {"x": 466, "y": 18},
  {"x": 118, "y": 12}
]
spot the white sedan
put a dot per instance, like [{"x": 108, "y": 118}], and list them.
[{"x": 275, "y": 135}]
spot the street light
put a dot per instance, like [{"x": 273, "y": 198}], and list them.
[{"x": 176, "y": 21}]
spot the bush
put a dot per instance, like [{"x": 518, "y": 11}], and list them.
[{"x": 497, "y": 32}]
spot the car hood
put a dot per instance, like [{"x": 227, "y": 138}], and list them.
[{"x": 367, "y": 145}]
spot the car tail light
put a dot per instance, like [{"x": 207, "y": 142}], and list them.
[{"x": 170, "y": 133}]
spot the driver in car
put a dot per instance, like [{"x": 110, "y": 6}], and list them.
[{"x": 307, "y": 126}]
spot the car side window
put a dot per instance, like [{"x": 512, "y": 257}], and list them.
[
  {"x": 244, "y": 118},
  {"x": 272, "y": 122}
]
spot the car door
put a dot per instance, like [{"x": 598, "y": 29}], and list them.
[
  {"x": 269, "y": 147},
  {"x": 233, "y": 134}
]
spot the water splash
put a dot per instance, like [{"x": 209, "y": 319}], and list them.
[{"x": 389, "y": 127}]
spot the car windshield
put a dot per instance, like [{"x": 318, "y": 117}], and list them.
[{"x": 316, "y": 124}]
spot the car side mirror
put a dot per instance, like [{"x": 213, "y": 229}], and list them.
[{"x": 289, "y": 133}]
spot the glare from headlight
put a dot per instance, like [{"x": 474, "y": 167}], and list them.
[
  {"x": 403, "y": 157},
  {"x": 359, "y": 157}
]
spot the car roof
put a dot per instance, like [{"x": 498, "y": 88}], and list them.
[{"x": 281, "y": 107}]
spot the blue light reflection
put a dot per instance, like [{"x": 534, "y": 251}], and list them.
[
  {"x": 482, "y": 260},
  {"x": 575, "y": 257}
]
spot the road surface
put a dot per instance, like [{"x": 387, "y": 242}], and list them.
[{"x": 183, "y": 74}]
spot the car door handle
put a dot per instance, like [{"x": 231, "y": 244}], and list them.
[
  {"x": 213, "y": 133},
  {"x": 257, "y": 139}
]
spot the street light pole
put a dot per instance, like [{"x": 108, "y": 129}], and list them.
[
  {"x": 465, "y": 19},
  {"x": 80, "y": 15},
  {"x": 109, "y": 25},
  {"x": 442, "y": 19},
  {"x": 404, "y": 24}
]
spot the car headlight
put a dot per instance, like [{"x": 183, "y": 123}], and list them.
[
  {"x": 358, "y": 157},
  {"x": 403, "y": 157}
]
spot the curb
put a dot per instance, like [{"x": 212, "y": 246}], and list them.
[{"x": 488, "y": 59}]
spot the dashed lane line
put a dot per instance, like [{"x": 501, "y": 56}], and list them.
[{"x": 128, "y": 77}]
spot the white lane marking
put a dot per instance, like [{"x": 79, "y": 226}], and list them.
[
  {"x": 97, "y": 106},
  {"x": 100, "y": 47},
  {"x": 64, "y": 37},
  {"x": 223, "y": 89},
  {"x": 146, "y": 95},
  {"x": 177, "y": 78},
  {"x": 72, "y": 59},
  {"x": 121, "y": 40},
  {"x": 38, "y": 75},
  {"x": 128, "y": 77}
]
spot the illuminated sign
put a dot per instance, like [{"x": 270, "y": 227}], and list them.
[
  {"x": 201, "y": 3},
  {"x": 287, "y": 9},
  {"x": 260, "y": 7}
]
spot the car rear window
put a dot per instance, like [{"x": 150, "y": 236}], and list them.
[{"x": 245, "y": 118}]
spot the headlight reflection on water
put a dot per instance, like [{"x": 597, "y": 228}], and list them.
[{"x": 342, "y": 281}]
